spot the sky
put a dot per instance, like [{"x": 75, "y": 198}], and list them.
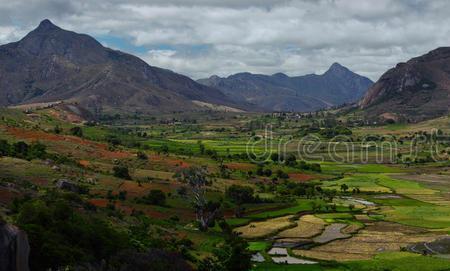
[{"x": 200, "y": 38}]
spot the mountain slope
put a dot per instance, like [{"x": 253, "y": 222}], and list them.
[
  {"x": 280, "y": 92},
  {"x": 51, "y": 64},
  {"x": 416, "y": 90}
]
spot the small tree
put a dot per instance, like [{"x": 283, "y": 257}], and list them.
[
  {"x": 231, "y": 255},
  {"x": 57, "y": 129},
  {"x": 122, "y": 195},
  {"x": 76, "y": 131},
  {"x": 20, "y": 149},
  {"x": 5, "y": 148},
  {"x": 344, "y": 187},
  {"x": 201, "y": 146},
  {"x": 206, "y": 211},
  {"x": 164, "y": 149},
  {"x": 351, "y": 207},
  {"x": 141, "y": 155},
  {"x": 121, "y": 172},
  {"x": 239, "y": 195},
  {"x": 182, "y": 191},
  {"x": 268, "y": 172},
  {"x": 282, "y": 175},
  {"x": 155, "y": 197},
  {"x": 291, "y": 160}
]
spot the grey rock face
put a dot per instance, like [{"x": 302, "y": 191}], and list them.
[{"x": 14, "y": 248}]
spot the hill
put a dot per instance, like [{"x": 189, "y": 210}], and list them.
[
  {"x": 51, "y": 64},
  {"x": 279, "y": 92},
  {"x": 416, "y": 90}
]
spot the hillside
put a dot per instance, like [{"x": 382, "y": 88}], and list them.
[
  {"x": 416, "y": 90},
  {"x": 280, "y": 92},
  {"x": 51, "y": 64}
]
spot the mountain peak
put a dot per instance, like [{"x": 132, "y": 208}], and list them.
[
  {"x": 46, "y": 25},
  {"x": 280, "y": 75},
  {"x": 336, "y": 67}
]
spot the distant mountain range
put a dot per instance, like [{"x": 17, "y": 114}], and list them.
[
  {"x": 279, "y": 92},
  {"x": 416, "y": 90},
  {"x": 51, "y": 64}
]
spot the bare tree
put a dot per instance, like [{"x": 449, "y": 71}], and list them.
[{"x": 206, "y": 211}]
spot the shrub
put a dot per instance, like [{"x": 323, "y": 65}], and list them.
[
  {"x": 142, "y": 156},
  {"x": 121, "y": 172},
  {"x": 154, "y": 197},
  {"x": 76, "y": 131}
]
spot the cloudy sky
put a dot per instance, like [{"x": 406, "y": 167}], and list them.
[{"x": 204, "y": 37}]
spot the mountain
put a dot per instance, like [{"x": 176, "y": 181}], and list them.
[
  {"x": 279, "y": 92},
  {"x": 416, "y": 90},
  {"x": 51, "y": 64}
]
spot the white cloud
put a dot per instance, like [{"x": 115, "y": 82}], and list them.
[{"x": 266, "y": 36}]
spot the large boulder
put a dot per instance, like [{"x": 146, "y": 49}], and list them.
[
  {"x": 68, "y": 186},
  {"x": 14, "y": 248}
]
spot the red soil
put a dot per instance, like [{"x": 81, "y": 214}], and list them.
[
  {"x": 240, "y": 166},
  {"x": 101, "y": 149},
  {"x": 134, "y": 190},
  {"x": 300, "y": 177},
  {"x": 39, "y": 181},
  {"x": 7, "y": 196},
  {"x": 156, "y": 214},
  {"x": 99, "y": 202},
  {"x": 84, "y": 163}
]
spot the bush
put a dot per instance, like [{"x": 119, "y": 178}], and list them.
[
  {"x": 142, "y": 156},
  {"x": 59, "y": 236},
  {"x": 154, "y": 197},
  {"x": 76, "y": 131},
  {"x": 121, "y": 172},
  {"x": 23, "y": 150}
]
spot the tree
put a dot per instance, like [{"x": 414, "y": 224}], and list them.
[
  {"x": 282, "y": 175},
  {"x": 36, "y": 150},
  {"x": 60, "y": 236},
  {"x": 201, "y": 146},
  {"x": 165, "y": 149},
  {"x": 182, "y": 191},
  {"x": 5, "y": 148},
  {"x": 57, "y": 129},
  {"x": 330, "y": 194},
  {"x": 20, "y": 149},
  {"x": 291, "y": 160},
  {"x": 76, "y": 131},
  {"x": 274, "y": 157},
  {"x": 260, "y": 170},
  {"x": 224, "y": 171},
  {"x": 121, "y": 172},
  {"x": 154, "y": 197},
  {"x": 141, "y": 155},
  {"x": 351, "y": 207},
  {"x": 344, "y": 187},
  {"x": 122, "y": 195},
  {"x": 231, "y": 255},
  {"x": 206, "y": 211},
  {"x": 239, "y": 195}
]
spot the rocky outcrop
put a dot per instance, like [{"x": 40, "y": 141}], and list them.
[
  {"x": 14, "y": 248},
  {"x": 67, "y": 185},
  {"x": 416, "y": 90}
]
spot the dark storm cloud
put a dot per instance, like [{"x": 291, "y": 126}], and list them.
[{"x": 203, "y": 37}]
